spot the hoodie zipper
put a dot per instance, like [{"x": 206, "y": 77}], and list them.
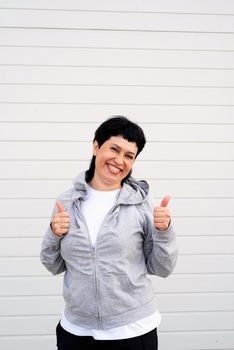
[
  {"x": 96, "y": 289},
  {"x": 93, "y": 254},
  {"x": 95, "y": 266},
  {"x": 99, "y": 320}
]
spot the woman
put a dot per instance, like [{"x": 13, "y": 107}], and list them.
[{"x": 106, "y": 236}]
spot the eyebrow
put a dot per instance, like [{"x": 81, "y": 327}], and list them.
[{"x": 130, "y": 152}]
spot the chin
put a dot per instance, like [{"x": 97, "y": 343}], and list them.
[{"x": 112, "y": 181}]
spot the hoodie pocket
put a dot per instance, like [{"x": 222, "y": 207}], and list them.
[
  {"x": 79, "y": 294},
  {"x": 120, "y": 294}
]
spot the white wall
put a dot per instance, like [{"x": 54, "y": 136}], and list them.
[{"x": 64, "y": 67}]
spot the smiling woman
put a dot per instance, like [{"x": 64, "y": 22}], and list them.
[
  {"x": 106, "y": 236},
  {"x": 114, "y": 160},
  {"x": 124, "y": 135}
]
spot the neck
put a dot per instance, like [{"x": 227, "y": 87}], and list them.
[{"x": 100, "y": 186}]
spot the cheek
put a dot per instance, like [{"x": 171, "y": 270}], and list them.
[
  {"x": 128, "y": 167},
  {"x": 130, "y": 163},
  {"x": 100, "y": 159}
]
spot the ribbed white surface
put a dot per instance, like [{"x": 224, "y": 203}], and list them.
[{"x": 64, "y": 68}]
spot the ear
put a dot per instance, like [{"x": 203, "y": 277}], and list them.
[{"x": 95, "y": 147}]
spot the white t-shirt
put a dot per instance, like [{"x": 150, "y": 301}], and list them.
[{"x": 95, "y": 209}]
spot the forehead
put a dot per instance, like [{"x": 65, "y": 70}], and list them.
[{"x": 122, "y": 143}]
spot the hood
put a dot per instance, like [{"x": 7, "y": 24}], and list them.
[
  {"x": 132, "y": 191},
  {"x": 80, "y": 186}
]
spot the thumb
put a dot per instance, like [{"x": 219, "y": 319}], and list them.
[
  {"x": 165, "y": 201},
  {"x": 60, "y": 207}
]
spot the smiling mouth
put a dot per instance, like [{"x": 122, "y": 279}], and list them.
[{"x": 113, "y": 169}]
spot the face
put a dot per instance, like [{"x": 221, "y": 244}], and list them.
[{"x": 114, "y": 160}]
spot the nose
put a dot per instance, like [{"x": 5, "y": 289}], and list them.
[{"x": 119, "y": 159}]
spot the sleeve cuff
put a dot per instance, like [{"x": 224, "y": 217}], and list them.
[{"x": 164, "y": 235}]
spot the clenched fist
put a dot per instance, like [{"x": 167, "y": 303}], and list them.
[
  {"x": 162, "y": 215},
  {"x": 60, "y": 222}
]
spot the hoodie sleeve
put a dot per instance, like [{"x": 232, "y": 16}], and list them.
[
  {"x": 50, "y": 251},
  {"x": 159, "y": 247}
]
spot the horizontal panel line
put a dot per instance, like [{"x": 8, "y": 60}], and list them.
[
  {"x": 138, "y": 161},
  {"x": 24, "y": 276},
  {"x": 60, "y": 276},
  {"x": 29, "y": 296},
  {"x": 116, "y": 48},
  {"x": 12, "y": 236},
  {"x": 33, "y": 296},
  {"x": 121, "y": 85},
  {"x": 191, "y": 198},
  {"x": 28, "y": 316},
  {"x": 114, "y": 104},
  {"x": 97, "y": 121},
  {"x": 211, "y": 293},
  {"x": 214, "y": 332},
  {"x": 23, "y": 218},
  {"x": 30, "y": 336},
  {"x": 126, "y": 30},
  {"x": 55, "y": 277},
  {"x": 46, "y": 160},
  {"x": 9, "y": 159},
  {"x": 203, "y": 274},
  {"x": 180, "y": 254},
  {"x": 185, "y": 313},
  {"x": 155, "y": 179},
  {"x": 205, "y": 254},
  {"x": 89, "y": 141},
  {"x": 202, "y": 313},
  {"x": 198, "y": 332},
  {"x": 19, "y": 276},
  {"x": 181, "y": 274},
  {"x": 51, "y": 335},
  {"x": 175, "y": 274},
  {"x": 185, "y": 293},
  {"x": 230, "y": 235},
  {"x": 182, "y": 179},
  {"x": 146, "y": 178},
  {"x": 142, "y": 160},
  {"x": 187, "y": 236},
  {"x": 156, "y": 160},
  {"x": 156, "y": 198},
  {"x": 118, "y": 11},
  {"x": 114, "y": 66},
  {"x": 24, "y": 256},
  {"x": 197, "y": 238},
  {"x": 23, "y": 296},
  {"x": 194, "y": 312}
]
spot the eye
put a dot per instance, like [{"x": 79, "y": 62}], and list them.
[
  {"x": 114, "y": 149},
  {"x": 130, "y": 157}
]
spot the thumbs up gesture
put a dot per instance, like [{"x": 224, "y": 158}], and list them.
[
  {"x": 162, "y": 215},
  {"x": 60, "y": 222}
]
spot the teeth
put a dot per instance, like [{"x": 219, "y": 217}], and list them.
[{"x": 114, "y": 169}]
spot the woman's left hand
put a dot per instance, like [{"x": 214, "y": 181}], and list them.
[{"x": 162, "y": 215}]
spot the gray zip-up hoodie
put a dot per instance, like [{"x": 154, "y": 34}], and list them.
[{"x": 107, "y": 286}]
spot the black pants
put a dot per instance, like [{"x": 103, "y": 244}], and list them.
[{"x": 68, "y": 341}]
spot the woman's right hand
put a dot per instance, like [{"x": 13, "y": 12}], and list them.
[{"x": 60, "y": 222}]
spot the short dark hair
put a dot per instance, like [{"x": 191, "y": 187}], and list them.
[{"x": 117, "y": 126}]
